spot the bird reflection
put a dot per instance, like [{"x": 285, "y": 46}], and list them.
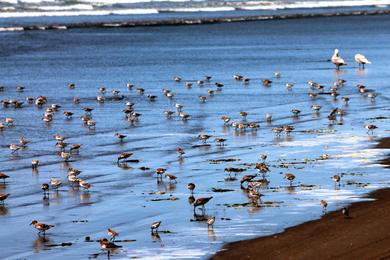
[
  {"x": 45, "y": 200},
  {"x": 40, "y": 243},
  {"x": 191, "y": 199},
  {"x": 85, "y": 197},
  {"x": 156, "y": 238},
  {"x": 3, "y": 211},
  {"x": 211, "y": 234}
]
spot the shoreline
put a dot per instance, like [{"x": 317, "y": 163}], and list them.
[
  {"x": 365, "y": 235},
  {"x": 198, "y": 21}
]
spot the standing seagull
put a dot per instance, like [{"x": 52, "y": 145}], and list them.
[
  {"x": 337, "y": 60},
  {"x": 361, "y": 60}
]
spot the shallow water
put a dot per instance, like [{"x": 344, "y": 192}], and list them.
[{"x": 122, "y": 197}]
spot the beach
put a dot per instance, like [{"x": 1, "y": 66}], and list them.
[
  {"x": 128, "y": 196},
  {"x": 364, "y": 235}
]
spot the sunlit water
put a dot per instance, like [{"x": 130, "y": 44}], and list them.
[{"x": 122, "y": 197}]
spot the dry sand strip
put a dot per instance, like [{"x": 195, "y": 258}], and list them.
[{"x": 365, "y": 235}]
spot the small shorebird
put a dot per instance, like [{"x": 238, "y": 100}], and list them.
[
  {"x": 218, "y": 85},
  {"x": 220, "y": 141},
  {"x": 88, "y": 110},
  {"x": 59, "y": 138},
  {"x": 184, "y": 116},
  {"x": 371, "y": 128},
  {"x": 91, "y": 124},
  {"x": 61, "y": 145},
  {"x": 288, "y": 129},
  {"x": 289, "y": 85},
  {"x": 266, "y": 82},
  {"x": 244, "y": 114},
  {"x": 201, "y": 202},
  {"x": 45, "y": 188},
  {"x": 160, "y": 172},
  {"x": 120, "y": 136},
  {"x": 336, "y": 179},
  {"x": 263, "y": 157},
  {"x": 3, "y": 176},
  {"x": 361, "y": 60},
  {"x": 3, "y": 197},
  {"x": 225, "y": 119},
  {"x": 180, "y": 151},
  {"x": 34, "y": 164},
  {"x": 345, "y": 212},
  {"x": 105, "y": 244},
  {"x": 210, "y": 222},
  {"x": 71, "y": 85},
  {"x": 152, "y": 98},
  {"x": 268, "y": 117},
  {"x": 14, "y": 148},
  {"x": 168, "y": 113},
  {"x": 75, "y": 147},
  {"x": 316, "y": 108},
  {"x": 154, "y": 226},
  {"x": 345, "y": 99},
  {"x": 177, "y": 78},
  {"x": 247, "y": 178},
  {"x": 41, "y": 227},
  {"x": 191, "y": 186},
  {"x": 204, "y": 137},
  {"x": 238, "y": 77},
  {"x": 68, "y": 114},
  {"x": 85, "y": 185},
  {"x": 277, "y": 74},
  {"x": 202, "y": 99},
  {"x": 189, "y": 84},
  {"x": 100, "y": 99},
  {"x": 23, "y": 141},
  {"x": 124, "y": 156},
  {"x": 112, "y": 233},
  {"x": 324, "y": 205},
  {"x": 290, "y": 177},
  {"x": 337, "y": 60},
  {"x": 66, "y": 156},
  {"x": 277, "y": 130},
  {"x": 55, "y": 183},
  {"x": 171, "y": 177},
  {"x": 295, "y": 111},
  {"x": 179, "y": 107}
]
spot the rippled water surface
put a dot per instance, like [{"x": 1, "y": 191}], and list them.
[{"x": 126, "y": 198}]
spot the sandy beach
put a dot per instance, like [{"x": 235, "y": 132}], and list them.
[
  {"x": 364, "y": 235},
  {"x": 195, "y": 101}
]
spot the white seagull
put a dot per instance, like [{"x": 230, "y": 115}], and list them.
[
  {"x": 361, "y": 60},
  {"x": 337, "y": 60}
]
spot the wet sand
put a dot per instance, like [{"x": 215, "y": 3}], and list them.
[{"x": 364, "y": 235}]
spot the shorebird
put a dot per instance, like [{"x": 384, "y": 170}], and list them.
[
  {"x": 210, "y": 222},
  {"x": 76, "y": 100},
  {"x": 66, "y": 156},
  {"x": 345, "y": 99},
  {"x": 168, "y": 113},
  {"x": 34, "y": 164},
  {"x": 288, "y": 129},
  {"x": 188, "y": 84},
  {"x": 277, "y": 130},
  {"x": 68, "y": 114},
  {"x": 266, "y": 82},
  {"x": 14, "y": 148},
  {"x": 112, "y": 233},
  {"x": 220, "y": 141},
  {"x": 345, "y": 212},
  {"x": 225, "y": 119},
  {"x": 75, "y": 147},
  {"x": 371, "y": 128},
  {"x": 154, "y": 226},
  {"x": 219, "y": 85},
  {"x": 361, "y": 60},
  {"x": 23, "y": 141},
  {"x": 140, "y": 91},
  {"x": 263, "y": 157},
  {"x": 336, "y": 179},
  {"x": 100, "y": 99},
  {"x": 129, "y": 86},
  {"x": 180, "y": 151},
  {"x": 184, "y": 116},
  {"x": 105, "y": 244},
  {"x": 204, "y": 137},
  {"x": 3, "y": 197},
  {"x": 295, "y": 111},
  {"x": 124, "y": 156},
  {"x": 268, "y": 117},
  {"x": 177, "y": 78},
  {"x": 3, "y": 176},
  {"x": 61, "y": 145},
  {"x": 45, "y": 188},
  {"x": 55, "y": 183},
  {"x": 337, "y": 60},
  {"x": 244, "y": 114},
  {"x": 290, "y": 177},
  {"x": 41, "y": 227},
  {"x": 324, "y": 204},
  {"x": 202, "y": 99},
  {"x": 171, "y": 177},
  {"x": 238, "y": 77},
  {"x": 179, "y": 107},
  {"x": 120, "y": 136},
  {"x": 200, "y": 83},
  {"x": 191, "y": 186},
  {"x": 247, "y": 178},
  {"x": 59, "y": 138},
  {"x": 289, "y": 85},
  {"x": 201, "y": 202},
  {"x": 91, "y": 124},
  {"x": 152, "y": 98},
  {"x": 277, "y": 74},
  {"x": 262, "y": 168},
  {"x": 85, "y": 185},
  {"x": 88, "y": 110},
  {"x": 160, "y": 172},
  {"x": 316, "y": 108}
]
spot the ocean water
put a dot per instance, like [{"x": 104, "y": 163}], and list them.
[{"x": 126, "y": 198}]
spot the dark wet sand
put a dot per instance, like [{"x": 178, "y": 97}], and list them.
[{"x": 365, "y": 235}]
